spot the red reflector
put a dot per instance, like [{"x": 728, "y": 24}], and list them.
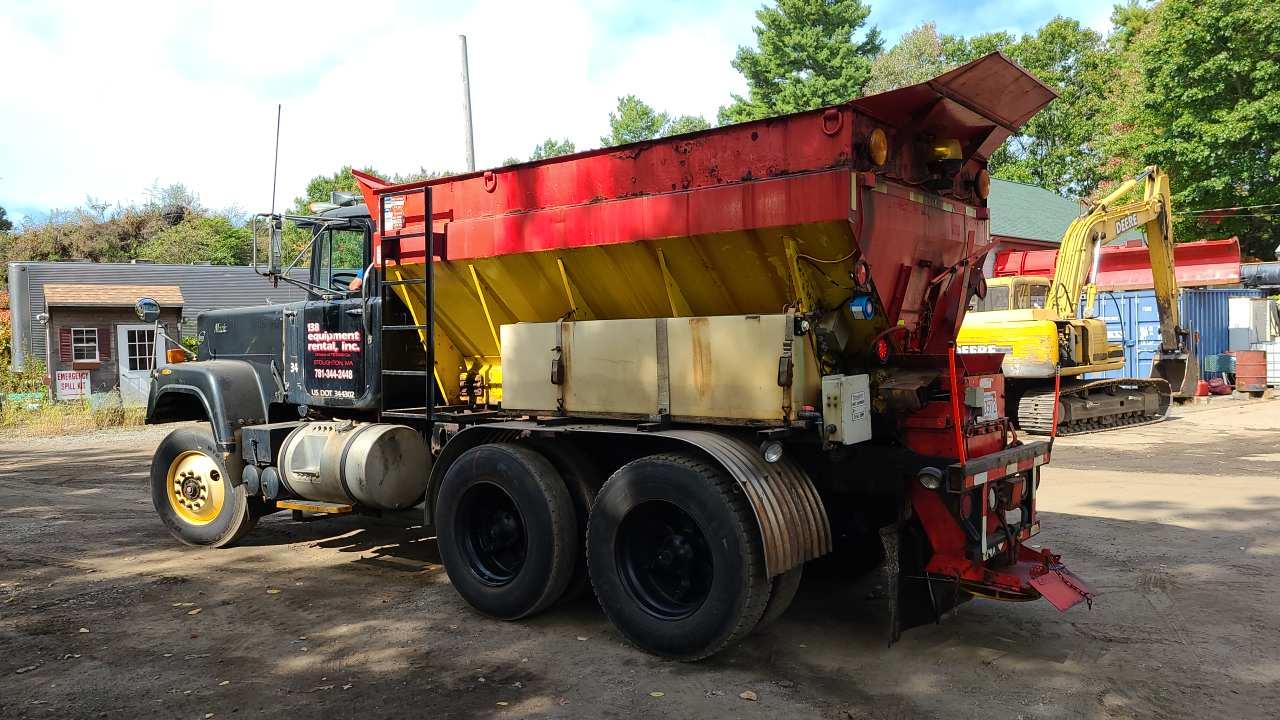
[{"x": 882, "y": 350}]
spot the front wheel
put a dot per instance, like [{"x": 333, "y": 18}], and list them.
[{"x": 194, "y": 495}]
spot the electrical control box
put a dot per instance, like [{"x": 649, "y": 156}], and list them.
[{"x": 846, "y": 408}]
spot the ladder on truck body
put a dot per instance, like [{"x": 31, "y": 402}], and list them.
[{"x": 390, "y": 250}]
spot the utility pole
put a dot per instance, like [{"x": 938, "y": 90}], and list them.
[{"x": 466, "y": 107}]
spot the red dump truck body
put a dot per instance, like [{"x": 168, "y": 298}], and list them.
[
  {"x": 1128, "y": 266},
  {"x": 806, "y": 170}
]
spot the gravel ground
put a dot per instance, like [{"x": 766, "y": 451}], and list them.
[{"x": 102, "y": 614}]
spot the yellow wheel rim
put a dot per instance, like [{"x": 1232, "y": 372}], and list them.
[{"x": 196, "y": 487}]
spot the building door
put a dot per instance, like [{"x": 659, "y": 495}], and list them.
[{"x": 138, "y": 357}]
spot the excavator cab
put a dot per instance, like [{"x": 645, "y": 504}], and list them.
[{"x": 1012, "y": 293}]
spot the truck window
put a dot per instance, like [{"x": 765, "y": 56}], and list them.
[
  {"x": 1039, "y": 293},
  {"x": 1021, "y": 297},
  {"x": 997, "y": 299},
  {"x": 342, "y": 259}
]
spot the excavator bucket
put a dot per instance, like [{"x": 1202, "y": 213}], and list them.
[{"x": 1181, "y": 371}]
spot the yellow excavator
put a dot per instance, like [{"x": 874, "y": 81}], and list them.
[{"x": 1049, "y": 340}]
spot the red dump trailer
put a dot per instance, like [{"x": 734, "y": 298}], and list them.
[{"x": 673, "y": 372}]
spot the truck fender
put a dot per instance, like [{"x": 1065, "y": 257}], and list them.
[
  {"x": 227, "y": 393},
  {"x": 793, "y": 523}
]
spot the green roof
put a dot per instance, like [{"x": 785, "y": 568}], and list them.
[{"x": 1029, "y": 212}]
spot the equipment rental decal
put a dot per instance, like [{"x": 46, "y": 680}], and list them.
[{"x": 333, "y": 357}]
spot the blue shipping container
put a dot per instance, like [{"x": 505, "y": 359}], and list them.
[{"x": 1132, "y": 319}]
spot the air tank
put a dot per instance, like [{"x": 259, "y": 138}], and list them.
[{"x": 375, "y": 465}]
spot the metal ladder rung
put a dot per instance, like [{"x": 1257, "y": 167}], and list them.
[{"x": 426, "y": 295}]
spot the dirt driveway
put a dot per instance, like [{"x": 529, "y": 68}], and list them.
[{"x": 103, "y": 615}]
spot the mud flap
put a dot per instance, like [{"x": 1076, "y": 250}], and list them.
[
  {"x": 914, "y": 600},
  {"x": 1061, "y": 587}
]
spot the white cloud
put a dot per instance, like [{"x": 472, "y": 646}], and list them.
[{"x": 111, "y": 97}]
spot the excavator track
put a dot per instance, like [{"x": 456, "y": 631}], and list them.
[{"x": 1092, "y": 406}]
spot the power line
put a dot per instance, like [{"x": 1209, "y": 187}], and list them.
[{"x": 1228, "y": 209}]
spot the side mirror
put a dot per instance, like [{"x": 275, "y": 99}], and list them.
[
  {"x": 148, "y": 309},
  {"x": 275, "y": 248}
]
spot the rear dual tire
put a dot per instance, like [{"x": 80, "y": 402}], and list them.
[
  {"x": 675, "y": 557},
  {"x": 672, "y": 548},
  {"x": 507, "y": 530}
]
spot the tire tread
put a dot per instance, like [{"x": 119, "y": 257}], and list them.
[{"x": 756, "y": 585}]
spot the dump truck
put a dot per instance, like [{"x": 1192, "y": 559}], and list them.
[{"x": 670, "y": 373}]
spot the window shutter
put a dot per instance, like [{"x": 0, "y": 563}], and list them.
[
  {"x": 64, "y": 344},
  {"x": 104, "y": 343}
]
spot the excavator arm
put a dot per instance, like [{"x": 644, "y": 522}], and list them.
[{"x": 1077, "y": 266}]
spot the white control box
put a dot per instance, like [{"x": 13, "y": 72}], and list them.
[{"x": 846, "y": 408}]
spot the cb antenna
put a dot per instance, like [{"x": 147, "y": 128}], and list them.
[{"x": 275, "y": 165}]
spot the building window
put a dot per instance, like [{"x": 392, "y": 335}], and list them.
[
  {"x": 142, "y": 349},
  {"x": 84, "y": 344}
]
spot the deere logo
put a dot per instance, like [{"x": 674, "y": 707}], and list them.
[{"x": 983, "y": 349}]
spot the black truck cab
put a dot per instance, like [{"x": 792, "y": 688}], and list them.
[{"x": 273, "y": 363}]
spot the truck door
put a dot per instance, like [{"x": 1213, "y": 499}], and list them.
[{"x": 337, "y": 362}]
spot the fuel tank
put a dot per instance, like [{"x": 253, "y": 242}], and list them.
[{"x": 375, "y": 465}]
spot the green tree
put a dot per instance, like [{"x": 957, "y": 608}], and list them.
[
  {"x": 917, "y": 57},
  {"x": 320, "y": 187},
  {"x": 636, "y": 121},
  {"x": 1058, "y": 148},
  {"x": 686, "y": 124},
  {"x": 957, "y": 49},
  {"x": 1210, "y": 114},
  {"x": 1124, "y": 149},
  {"x": 5, "y": 223},
  {"x": 807, "y": 56},
  {"x": 633, "y": 121},
  {"x": 552, "y": 148},
  {"x": 199, "y": 238}
]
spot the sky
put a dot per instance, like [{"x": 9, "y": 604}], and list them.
[{"x": 107, "y": 99}]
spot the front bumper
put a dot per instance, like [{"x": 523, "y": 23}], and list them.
[{"x": 996, "y": 466}]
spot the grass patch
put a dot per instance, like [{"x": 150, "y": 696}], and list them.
[{"x": 53, "y": 419}]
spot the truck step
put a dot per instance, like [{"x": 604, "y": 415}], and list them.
[{"x": 314, "y": 506}]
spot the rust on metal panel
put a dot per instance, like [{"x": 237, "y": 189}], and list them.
[{"x": 701, "y": 356}]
